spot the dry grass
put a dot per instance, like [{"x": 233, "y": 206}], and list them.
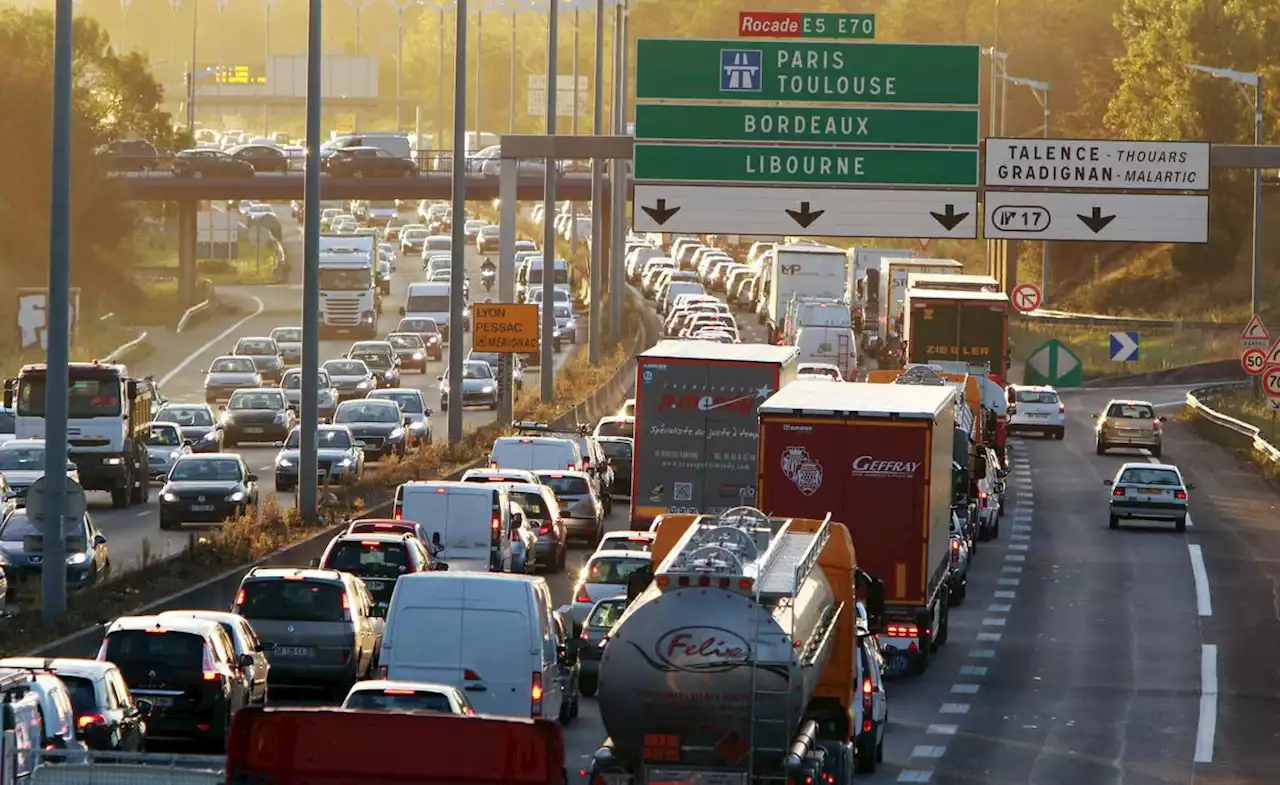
[
  {"x": 1242, "y": 406},
  {"x": 1160, "y": 348}
]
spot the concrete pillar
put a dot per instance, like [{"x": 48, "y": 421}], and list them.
[{"x": 187, "y": 235}]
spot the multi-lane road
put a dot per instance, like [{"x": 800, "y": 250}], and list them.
[{"x": 179, "y": 361}]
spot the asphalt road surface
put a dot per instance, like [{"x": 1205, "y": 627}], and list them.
[{"x": 178, "y": 364}]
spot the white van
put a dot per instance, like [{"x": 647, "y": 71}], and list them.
[
  {"x": 536, "y": 453},
  {"x": 492, "y": 636},
  {"x": 469, "y": 524},
  {"x": 831, "y": 345},
  {"x": 428, "y": 300},
  {"x": 530, "y": 276}
]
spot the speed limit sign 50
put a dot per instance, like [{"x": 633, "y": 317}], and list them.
[
  {"x": 1253, "y": 361},
  {"x": 1271, "y": 381}
]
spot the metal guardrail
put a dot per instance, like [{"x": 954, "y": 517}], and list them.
[
  {"x": 63, "y": 767},
  {"x": 427, "y": 163},
  {"x": 1108, "y": 320},
  {"x": 1250, "y": 432},
  {"x": 124, "y": 349},
  {"x": 196, "y": 310}
]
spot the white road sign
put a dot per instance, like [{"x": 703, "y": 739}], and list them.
[
  {"x": 1097, "y": 164},
  {"x": 823, "y": 212},
  {"x": 1127, "y": 218},
  {"x": 1255, "y": 334},
  {"x": 1271, "y": 381},
  {"x": 1273, "y": 404}
]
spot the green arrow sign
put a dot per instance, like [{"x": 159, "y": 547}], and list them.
[
  {"x": 1054, "y": 364},
  {"x": 821, "y": 125},
  {"x": 843, "y": 165},
  {"x": 807, "y": 71}
]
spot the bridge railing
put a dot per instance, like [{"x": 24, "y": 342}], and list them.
[
  {"x": 429, "y": 163},
  {"x": 1198, "y": 401}
]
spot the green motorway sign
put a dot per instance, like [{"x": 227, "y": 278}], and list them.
[
  {"x": 752, "y": 70},
  {"x": 821, "y": 125},
  {"x": 835, "y": 165},
  {"x": 1054, "y": 364}
]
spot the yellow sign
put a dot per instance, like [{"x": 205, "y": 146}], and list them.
[
  {"x": 346, "y": 124},
  {"x": 238, "y": 74},
  {"x": 505, "y": 328}
]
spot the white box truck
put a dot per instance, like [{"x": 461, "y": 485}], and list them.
[{"x": 803, "y": 270}]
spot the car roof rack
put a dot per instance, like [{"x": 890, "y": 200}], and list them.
[{"x": 531, "y": 426}]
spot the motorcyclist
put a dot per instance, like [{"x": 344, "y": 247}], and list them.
[{"x": 488, "y": 272}]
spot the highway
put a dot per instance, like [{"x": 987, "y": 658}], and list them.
[{"x": 179, "y": 361}]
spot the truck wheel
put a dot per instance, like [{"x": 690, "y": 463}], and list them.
[
  {"x": 121, "y": 493},
  {"x": 866, "y": 755},
  {"x": 944, "y": 626},
  {"x": 138, "y": 491},
  {"x": 587, "y": 686}
]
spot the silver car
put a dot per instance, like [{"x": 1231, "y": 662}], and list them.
[
  {"x": 326, "y": 397},
  {"x": 479, "y": 387},
  {"x": 22, "y": 463},
  {"x": 1149, "y": 491},
  {"x": 265, "y": 354},
  {"x": 416, "y": 412},
  {"x": 351, "y": 378},
  {"x": 289, "y": 341},
  {"x": 227, "y": 374},
  {"x": 164, "y": 445},
  {"x": 493, "y": 358}
]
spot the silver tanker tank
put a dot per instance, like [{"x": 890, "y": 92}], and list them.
[{"x": 733, "y": 633}]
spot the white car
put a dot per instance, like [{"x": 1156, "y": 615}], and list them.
[
  {"x": 628, "y": 541},
  {"x": 872, "y": 710},
  {"x": 1036, "y": 409},
  {"x": 22, "y": 463},
  {"x": 164, "y": 445},
  {"x": 388, "y": 695},
  {"x": 819, "y": 372},
  {"x": 604, "y": 575}
]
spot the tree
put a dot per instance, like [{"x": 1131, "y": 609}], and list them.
[{"x": 114, "y": 97}]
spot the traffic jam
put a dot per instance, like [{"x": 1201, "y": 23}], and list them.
[{"x": 859, "y": 396}]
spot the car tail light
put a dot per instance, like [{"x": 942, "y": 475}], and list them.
[
  {"x": 207, "y": 667},
  {"x": 584, "y": 636},
  {"x": 902, "y": 631},
  {"x": 493, "y": 464},
  {"x": 515, "y": 534},
  {"x": 535, "y": 692},
  {"x": 1118, "y": 491},
  {"x": 87, "y": 720},
  {"x": 470, "y": 675},
  {"x": 582, "y": 595},
  {"x": 1182, "y": 495},
  {"x": 240, "y": 598},
  {"x": 868, "y": 689},
  {"x": 398, "y": 511},
  {"x": 955, "y": 551},
  {"x": 1155, "y": 425},
  {"x": 346, "y": 602},
  {"x": 982, "y": 497},
  {"x": 546, "y": 528},
  {"x": 495, "y": 531}
]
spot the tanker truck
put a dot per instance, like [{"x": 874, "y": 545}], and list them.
[{"x": 739, "y": 663}]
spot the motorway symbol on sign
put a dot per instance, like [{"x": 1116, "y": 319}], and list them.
[
  {"x": 505, "y": 328},
  {"x": 1253, "y": 361},
  {"x": 846, "y": 166},
  {"x": 1026, "y": 297},
  {"x": 1054, "y": 364},
  {"x": 862, "y": 73},
  {"x": 1124, "y": 347},
  {"x": 1097, "y": 164},
  {"x": 845, "y": 212},
  {"x": 814, "y": 125},
  {"x": 1255, "y": 334},
  {"x": 1141, "y": 218},
  {"x": 791, "y": 24},
  {"x": 1271, "y": 381}
]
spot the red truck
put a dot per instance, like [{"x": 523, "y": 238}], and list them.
[
  {"x": 878, "y": 458},
  {"x": 343, "y": 746}
]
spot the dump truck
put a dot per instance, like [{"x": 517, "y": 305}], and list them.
[
  {"x": 947, "y": 325},
  {"x": 738, "y": 663},
  {"x": 695, "y": 436},
  {"x": 877, "y": 457}
]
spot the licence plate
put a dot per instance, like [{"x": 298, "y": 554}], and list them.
[
  {"x": 896, "y": 666},
  {"x": 252, "y": 429},
  {"x": 376, "y": 585},
  {"x": 1150, "y": 491},
  {"x": 1039, "y": 416},
  {"x": 202, "y": 508},
  {"x": 158, "y": 700},
  {"x": 293, "y": 651}
]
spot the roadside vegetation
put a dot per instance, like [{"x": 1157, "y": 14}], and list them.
[
  {"x": 1248, "y": 408},
  {"x": 1161, "y": 348}
]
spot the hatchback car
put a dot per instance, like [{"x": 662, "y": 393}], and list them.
[
  {"x": 22, "y": 552},
  {"x": 411, "y": 349},
  {"x": 379, "y": 425},
  {"x": 207, "y": 489},
  {"x": 417, "y": 415},
  {"x": 227, "y": 374},
  {"x": 164, "y": 446},
  {"x": 254, "y": 666},
  {"x": 428, "y": 331},
  {"x": 339, "y": 458},
  {"x": 257, "y": 415},
  {"x": 198, "y": 423},
  {"x": 186, "y": 668},
  {"x": 628, "y": 541},
  {"x": 819, "y": 372},
  {"x": 318, "y": 627},
  {"x": 478, "y": 388},
  {"x": 387, "y": 695},
  {"x": 326, "y": 394},
  {"x": 265, "y": 355},
  {"x": 106, "y": 715},
  {"x": 381, "y": 360},
  {"x": 351, "y": 378},
  {"x": 580, "y": 507},
  {"x": 1036, "y": 409},
  {"x": 289, "y": 342},
  {"x": 595, "y": 636},
  {"x": 604, "y": 575},
  {"x": 958, "y": 577},
  {"x": 621, "y": 454},
  {"x": 1149, "y": 491},
  {"x": 377, "y": 559},
  {"x": 542, "y": 516},
  {"x": 1131, "y": 424}
]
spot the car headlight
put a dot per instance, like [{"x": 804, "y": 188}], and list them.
[
  {"x": 281, "y": 418},
  {"x": 466, "y": 312},
  {"x": 398, "y": 433},
  {"x": 77, "y": 559},
  {"x": 434, "y": 339},
  {"x": 488, "y": 388},
  {"x": 364, "y": 384},
  {"x": 169, "y": 497},
  {"x": 114, "y": 460},
  {"x": 417, "y": 426},
  {"x": 238, "y": 496},
  {"x": 389, "y": 374},
  {"x": 344, "y": 462},
  {"x": 210, "y": 436},
  {"x": 418, "y": 355},
  {"x": 173, "y": 456},
  {"x": 284, "y": 463}
]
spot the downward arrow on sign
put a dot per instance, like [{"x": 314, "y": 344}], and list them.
[
  {"x": 1097, "y": 221},
  {"x": 660, "y": 213}
]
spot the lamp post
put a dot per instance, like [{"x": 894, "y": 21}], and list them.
[
  {"x": 1041, "y": 91},
  {"x": 308, "y": 463},
  {"x": 400, "y": 6},
  {"x": 1243, "y": 80},
  {"x": 546, "y": 377},
  {"x": 999, "y": 70},
  {"x": 267, "y": 5},
  {"x": 458, "y": 272}
]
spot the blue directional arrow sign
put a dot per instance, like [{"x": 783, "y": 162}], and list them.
[{"x": 1124, "y": 347}]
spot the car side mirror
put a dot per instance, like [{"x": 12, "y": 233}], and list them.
[
  {"x": 253, "y": 477},
  {"x": 1108, "y": 482},
  {"x": 188, "y": 442},
  {"x": 359, "y": 443},
  {"x": 100, "y": 539},
  {"x": 1002, "y": 473},
  {"x": 1164, "y": 419},
  {"x": 219, "y": 427},
  {"x": 428, "y": 411},
  {"x": 315, "y": 564},
  {"x": 439, "y": 378},
  {"x": 246, "y": 660},
  {"x": 441, "y": 566},
  {"x": 1094, "y": 415},
  {"x": 143, "y": 706},
  {"x": 402, "y": 310}
]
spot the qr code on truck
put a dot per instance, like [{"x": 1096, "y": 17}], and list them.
[{"x": 683, "y": 491}]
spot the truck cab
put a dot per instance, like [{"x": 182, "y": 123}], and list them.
[{"x": 349, "y": 297}]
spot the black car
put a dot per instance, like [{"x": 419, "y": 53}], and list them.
[
  {"x": 186, "y": 668},
  {"x": 22, "y": 551},
  {"x": 620, "y": 451},
  {"x": 130, "y": 155},
  {"x": 203, "y": 162},
  {"x": 107, "y": 717},
  {"x": 207, "y": 489},
  {"x": 377, "y": 559},
  {"x": 257, "y": 415},
  {"x": 385, "y": 365},
  {"x": 262, "y": 157},
  {"x": 367, "y": 162},
  {"x": 411, "y": 349},
  {"x": 380, "y": 424},
  {"x": 197, "y": 421}
]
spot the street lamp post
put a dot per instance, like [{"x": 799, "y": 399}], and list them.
[
  {"x": 999, "y": 70},
  {"x": 1241, "y": 81},
  {"x": 267, "y": 5},
  {"x": 400, "y": 6},
  {"x": 457, "y": 269},
  {"x": 1041, "y": 91}
]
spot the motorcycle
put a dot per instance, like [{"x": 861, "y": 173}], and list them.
[{"x": 487, "y": 277}]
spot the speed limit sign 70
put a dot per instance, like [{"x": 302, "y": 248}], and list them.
[
  {"x": 1253, "y": 361},
  {"x": 1271, "y": 381}
]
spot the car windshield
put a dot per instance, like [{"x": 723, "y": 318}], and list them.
[
  {"x": 410, "y": 402},
  {"x": 326, "y": 439},
  {"x": 161, "y": 436},
  {"x": 1039, "y": 396},
  {"x": 565, "y": 484},
  {"x": 477, "y": 370},
  {"x": 346, "y": 368},
  {"x": 206, "y": 470},
  {"x": 360, "y": 411},
  {"x": 419, "y": 326},
  {"x": 185, "y": 415},
  {"x": 613, "y": 569},
  {"x": 491, "y": 358},
  {"x": 625, "y": 428},
  {"x": 1143, "y": 476},
  {"x": 397, "y": 700},
  {"x": 369, "y": 558},
  {"x": 232, "y": 365},
  {"x": 287, "y": 335},
  {"x": 606, "y": 614},
  {"x": 489, "y": 231},
  {"x": 247, "y": 400},
  {"x": 375, "y": 360},
  {"x": 1131, "y": 411},
  {"x": 620, "y": 450},
  {"x": 22, "y": 459},
  {"x": 414, "y": 235},
  {"x": 293, "y": 380},
  {"x": 155, "y": 648},
  {"x": 255, "y": 347},
  {"x": 405, "y": 341},
  {"x": 531, "y": 502},
  {"x": 292, "y": 600}
]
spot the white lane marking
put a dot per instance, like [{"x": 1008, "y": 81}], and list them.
[
  {"x": 982, "y": 654},
  {"x": 1207, "y": 725},
  {"x": 1021, "y": 528},
  {"x": 180, "y": 367},
  {"x": 994, "y": 622},
  {"x": 1001, "y": 594},
  {"x": 910, "y": 775},
  {"x": 942, "y": 730},
  {"x": 964, "y": 689},
  {"x": 1018, "y": 546},
  {"x": 1019, "y": 536},
  {"x": 142, "y": 514},
  {"x": 995, "y": 608},
  {"x": 1204, "y": 602},
  {"x": 1014, "y": 557},
  {"x": 928, "y": 751},
  {"x": 973, "y": 670},
  {"x": 954, "y": 708},
  {"x": 989, "y": 636},
  {"x": 1011, "y": 568},
  {"x": 1008, "y": 581}
]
